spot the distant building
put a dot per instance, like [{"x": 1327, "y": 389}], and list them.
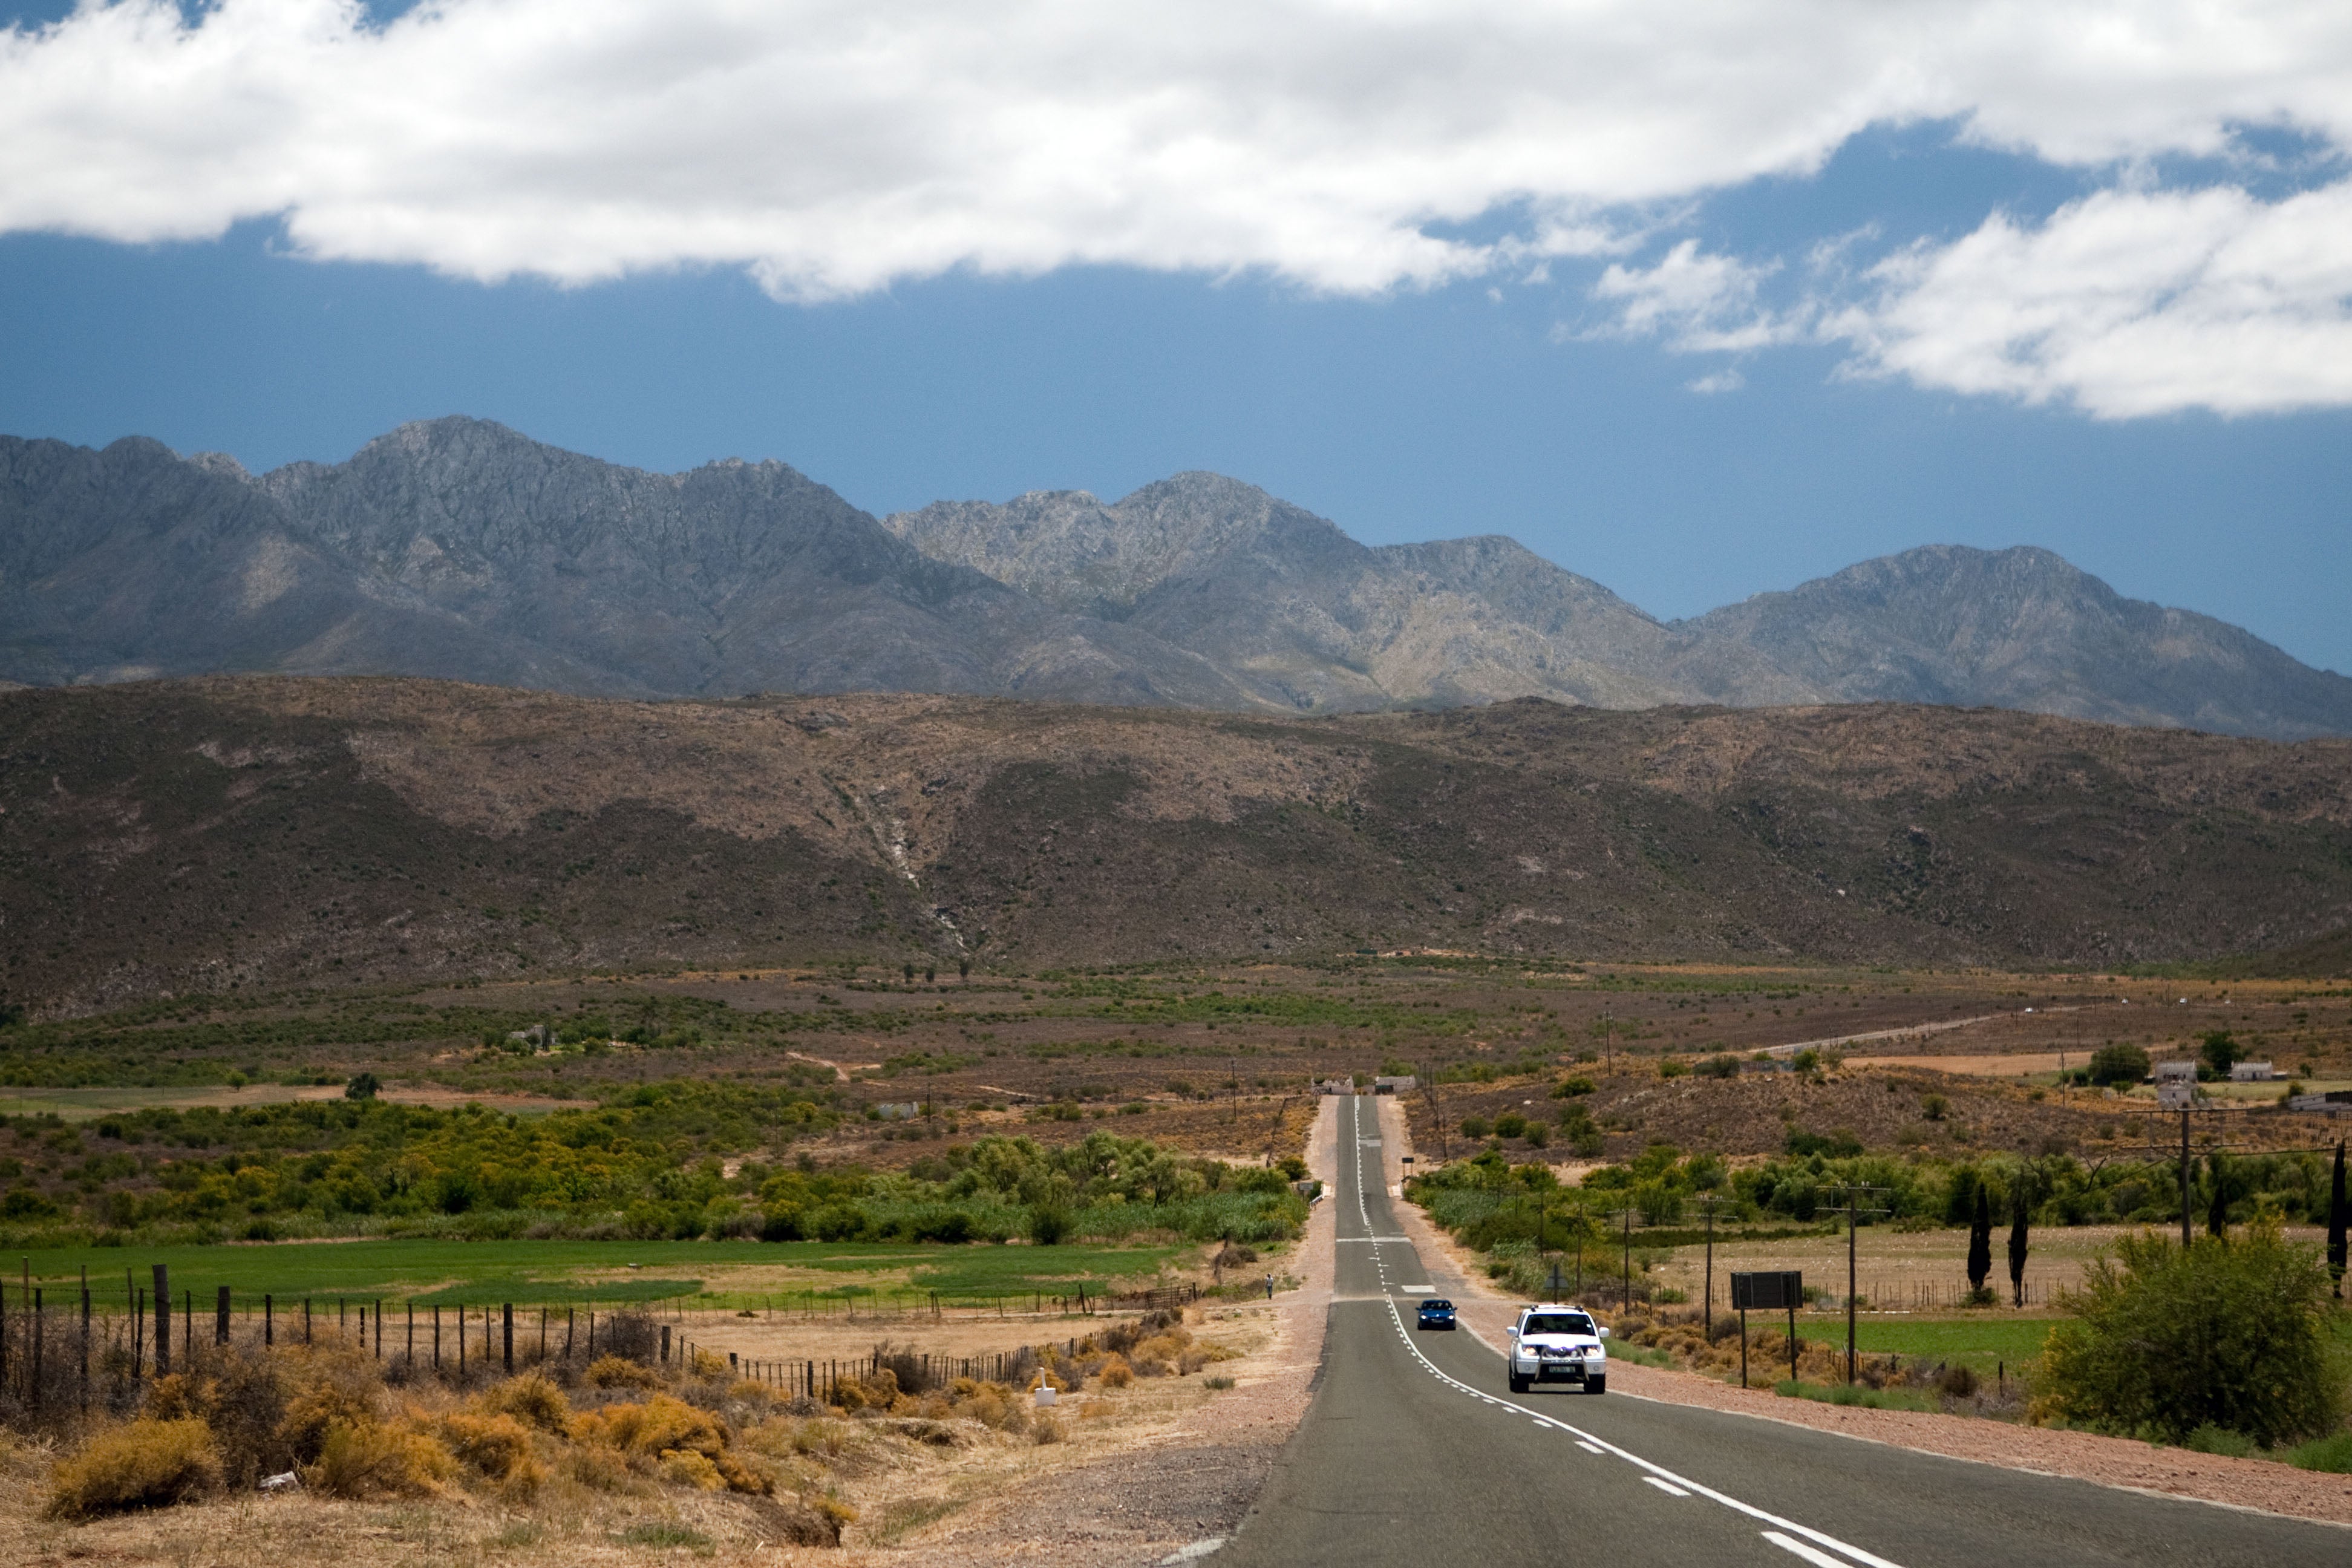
[
  {"x": 2176, "y": 1072},
  {"x": 2250, "y": 1072},
  {"x": 2177, "y": 1093},
  {"x": 1402, "y": 1084},
  {"x": 903, "y": 1110},
  {"x": 1336, "y": 1086},
  {"x": 2337, "y": 1102}
]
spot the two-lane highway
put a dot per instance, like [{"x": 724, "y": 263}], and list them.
[{"x": 1414, "y": 1452}]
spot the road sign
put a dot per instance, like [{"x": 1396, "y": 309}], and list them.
[{"x": 1773, "y": 1292}]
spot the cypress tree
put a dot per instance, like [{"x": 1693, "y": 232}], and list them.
[
  {"x": 1981, "y": 1242},
  {"x": 2217, "y": 1211},
  {"x": 2338, "y": 1216},
  {"x": 2017, "y": 1247}
]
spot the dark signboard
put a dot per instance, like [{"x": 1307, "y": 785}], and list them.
[{"x": 1774, "y": 1292}]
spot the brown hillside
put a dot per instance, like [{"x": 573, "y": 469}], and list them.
[{"x": 264, "y": 831}]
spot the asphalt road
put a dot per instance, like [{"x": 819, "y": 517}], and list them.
[{"x": 1416, "y": 1452}]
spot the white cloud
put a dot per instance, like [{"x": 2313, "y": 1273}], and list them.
[
  {"x": 2126, "y": 304},
  {"x": 1699, "y": 303},
  {"x": 830, "y": 147},
  {"x": 1724, "y": 380}
]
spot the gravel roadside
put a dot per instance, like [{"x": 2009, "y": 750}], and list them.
[
  {"x": 1189, "y": 1482},
  {"x": 2260, "y": 1484}
]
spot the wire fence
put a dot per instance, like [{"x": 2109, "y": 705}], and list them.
[{"x": 71, "y": 1349}]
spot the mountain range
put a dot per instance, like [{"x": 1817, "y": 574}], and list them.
[{"x": 458, "y": 549}]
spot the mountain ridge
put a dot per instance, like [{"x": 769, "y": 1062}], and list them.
[{"x": 459, "y": 549}]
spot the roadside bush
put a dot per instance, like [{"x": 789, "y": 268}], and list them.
[
  {"x": 2331, "y": 1453},
  {"x": 378, "y": 1461},
  {"x": 533, "y": 1400},
  {"x": 1475, "y": 1127},
  {"x": 497, "y": 1447},
  {"x": 1572, "y": 1087},
  {"x": 632, "y": 1335},
  {"x": 1115, "y": 1373},
  {"x": 2212, "y": 1439},
  {"x": 333, "y": 1385},
  {"x": 1510, "y": 1125},
  {"x": 148, "y": 1464},
  {"x": 2166, "y": 1340},
  {"x": 1721, "y": 1066},
  {"x": 662, "y": 1430},
  {"x": 615, "y": 1372}
]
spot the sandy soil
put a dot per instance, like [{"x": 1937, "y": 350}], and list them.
[
  {"x": 2260, "y": 1484},
  {"x": 1186, "y": 1480}
]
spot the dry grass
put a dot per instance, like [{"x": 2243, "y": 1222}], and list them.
[{"x": 530, "y": 1471}]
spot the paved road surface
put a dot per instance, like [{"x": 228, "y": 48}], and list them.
[{"x": 1414, "y": 1452}]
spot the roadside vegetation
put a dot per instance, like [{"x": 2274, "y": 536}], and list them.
[
  {"x": 677, "y": 1160},
  {"x": 642, "y": 1445}
]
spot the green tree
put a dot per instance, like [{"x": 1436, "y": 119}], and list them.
[
  {"x": 362, "y": 1086},
  {"x": 2118, "y": 1063},
  {"x": 1981, "y": 1242},
  {"x": 2017, "y": 1246},
  {"x": 2163, "y": 1339},
  {"x": 2217, "y": 1196},
  {"x": 2218, "y": 1052}
]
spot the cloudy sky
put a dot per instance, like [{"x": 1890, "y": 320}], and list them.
[{"x": 1698, "y": 299}]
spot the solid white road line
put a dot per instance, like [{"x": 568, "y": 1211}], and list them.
[{"x": 1666, "y": 1486}]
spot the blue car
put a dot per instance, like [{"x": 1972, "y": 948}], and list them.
[{"x": 1436, "y": 1314}]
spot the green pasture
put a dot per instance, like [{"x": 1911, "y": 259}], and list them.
[
  {"x": 1979, "y": 1343},
  {"x": 560, "y": 1273}
]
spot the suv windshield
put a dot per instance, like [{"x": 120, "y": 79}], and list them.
[{"x": 1558, "y": 1323}]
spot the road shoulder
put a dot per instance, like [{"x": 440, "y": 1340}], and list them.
[{"x": 2264, "y": 1484}]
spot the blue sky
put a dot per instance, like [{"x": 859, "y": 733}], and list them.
[{"x": 1494, "y": 361}]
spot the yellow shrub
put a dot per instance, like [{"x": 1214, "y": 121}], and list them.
[
  {"x": 333, "y": 1385},
  {"x": 148, "y": 1464},
  {"x": 708, "y": 1364},
  {"x": 496, "y": 1445},
  {"x": 170, "y": 1398},
  {"x": 661, "y": 1422},
  {"x": 687, "y": 1469},
  {"x": 619, "y": 1372},
  {"x": 1047, "y": 1430},
  {"x": 876, "y": 1390},
  {"x": 599, "y": 1469},
  {"x": 1115, "y": 1373},
  {"x": 1169, "y": 1346},
  {"x": 372, "y": 1461},
  {"x": 533, "y": 1400}
]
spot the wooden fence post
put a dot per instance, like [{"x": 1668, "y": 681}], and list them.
[{"x": 162, "y": 1320}]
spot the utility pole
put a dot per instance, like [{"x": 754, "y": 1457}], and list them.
[
  {"x": 1626, "y": 1305},
  {"x": 1708, "y": 1204},
  {"x": 1853, "y": 1213},
  {"x": 1608, "y": 1039},
  {"x": 2184, "y": 1177}
]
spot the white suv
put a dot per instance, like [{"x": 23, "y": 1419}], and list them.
[{"x": 1554, "y": 1343}]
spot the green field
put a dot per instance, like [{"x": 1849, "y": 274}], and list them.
[
  {"x": 1978, "y": 1343},
  {"x": 559, "y": 1273}
]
